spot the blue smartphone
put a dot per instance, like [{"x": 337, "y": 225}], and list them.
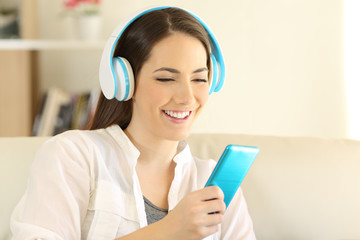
[{"x": 231, "y": 169}]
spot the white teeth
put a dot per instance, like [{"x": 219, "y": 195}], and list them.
[{"x": 179, "y": 115}]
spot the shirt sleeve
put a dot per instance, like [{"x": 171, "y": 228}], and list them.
[
  {"x": 237, "y": 222},
  {"x": 57, "y": 195}
]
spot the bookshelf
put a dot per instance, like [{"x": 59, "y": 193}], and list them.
[
  {"x": 19, "y": 92},
  {"x": 19, "y": 70},
  {"x": 16, "y": 93}
]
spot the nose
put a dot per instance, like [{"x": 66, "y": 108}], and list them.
[{"x": 184, "y": 93}]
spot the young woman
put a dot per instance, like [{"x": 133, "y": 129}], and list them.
[{"x": 132, "y": 176}]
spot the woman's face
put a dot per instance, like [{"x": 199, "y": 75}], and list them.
[{"x": 172, "y": 88}]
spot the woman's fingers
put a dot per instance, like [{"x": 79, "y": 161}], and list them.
[
  {"x": 212, "y": 192},
  {"x": 212, "y": 200},
  {"x": 197, "y": 215}
]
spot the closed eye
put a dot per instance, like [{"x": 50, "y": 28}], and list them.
[
  {"x": 164, "y": 79},
  {"x": 200, "y": 80}
]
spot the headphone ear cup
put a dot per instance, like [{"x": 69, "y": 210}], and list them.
[
  {"x": 124, "y": 82},
  {"x": 214, "y": 74}
]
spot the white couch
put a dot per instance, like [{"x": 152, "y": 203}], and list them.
[{"x": 298, "y": 188}]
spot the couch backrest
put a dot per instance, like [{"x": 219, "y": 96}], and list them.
[
  {"x": 297, "y": 188},
  {"x": 16, "y": 156}
]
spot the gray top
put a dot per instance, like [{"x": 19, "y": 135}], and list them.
[{"x": 153, "y": 213}]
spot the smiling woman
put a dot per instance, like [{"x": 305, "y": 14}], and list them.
[
  {"x": 132, "y": 175},
  {"x": 164, "y": 96}
]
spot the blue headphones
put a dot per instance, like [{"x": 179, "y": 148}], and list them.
[{"x": 116, "y": 75}]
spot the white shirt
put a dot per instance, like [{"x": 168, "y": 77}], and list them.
[{"x": 83, "y": 185}]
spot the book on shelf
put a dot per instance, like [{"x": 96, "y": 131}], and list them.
[{"x": 60, "y": 111}]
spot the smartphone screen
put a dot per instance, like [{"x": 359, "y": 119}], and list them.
[{"x": 231, "y": 169}]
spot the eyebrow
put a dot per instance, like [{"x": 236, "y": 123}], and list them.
[
  {"x": 173, "y": 70},
  {"x": 204, "y": 69}
]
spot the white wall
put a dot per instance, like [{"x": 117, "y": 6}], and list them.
[
  {"x": 351, "y": 65},
  {"x": 284, "y": 61}
]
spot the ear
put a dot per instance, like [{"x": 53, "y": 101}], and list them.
[{"x": 134, "y": 90}]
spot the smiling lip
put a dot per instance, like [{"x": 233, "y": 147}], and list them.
[{"x": 177, "y": 116}]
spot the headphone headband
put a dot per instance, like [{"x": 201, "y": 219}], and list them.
[{"x": 111, "y": 79}]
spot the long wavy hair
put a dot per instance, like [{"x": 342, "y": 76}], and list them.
[{"x": 135, "y": 45}]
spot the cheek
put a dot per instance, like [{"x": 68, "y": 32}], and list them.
[
  {"x": 157, "y": 94},
  {"x": 203, "y": 95}
]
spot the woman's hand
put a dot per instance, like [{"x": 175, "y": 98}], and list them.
[
  {"x": 192, "y": 219},
  {"x": 197, "y": 215}
]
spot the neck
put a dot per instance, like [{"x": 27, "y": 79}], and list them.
[{"x": 153, "y": 151}]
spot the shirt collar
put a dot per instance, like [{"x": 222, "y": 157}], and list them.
[
  {"x": 183, "y": 150},
  {"x": 183, "y": 154},
  {"x": 132, "y": 153}
]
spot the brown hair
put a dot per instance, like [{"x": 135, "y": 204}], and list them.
[{"x": 135, "y": 45}]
